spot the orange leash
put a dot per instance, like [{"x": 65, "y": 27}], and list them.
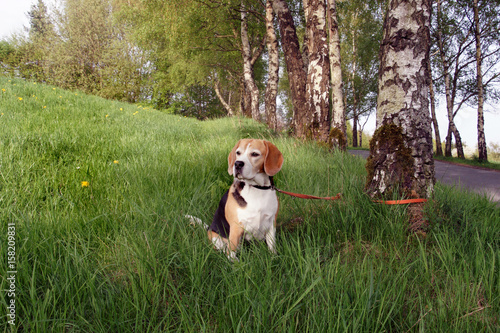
[
  {"x": 306, "y": 196},
  {"x": 338, "y": 196},
  {"x": 401, "y": 202}
]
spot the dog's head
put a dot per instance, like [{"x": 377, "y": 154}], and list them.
[{"x": 250, "y": 157}]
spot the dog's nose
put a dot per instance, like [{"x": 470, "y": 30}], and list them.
[{"x": 239, "y": 165}]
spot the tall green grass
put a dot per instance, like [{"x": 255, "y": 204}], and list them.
[{"x": 118, "y": 256}]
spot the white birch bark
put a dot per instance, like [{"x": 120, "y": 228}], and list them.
[
  {"x": 338, "y": 111},
  {"x": 403, "y": 98},
  {"x": 229, "y": 109},
  {"x": 248, "y": 77},
  {"x": 318, "y": 71},
  {"x": 481, "y": 139},
  {"x": 452, "y": 129},
  {"x": 273, "y": 68}
]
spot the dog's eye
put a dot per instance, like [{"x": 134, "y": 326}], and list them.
[
  {"x": 254, "y": 154},
  {"x": 238, "y": 153}
]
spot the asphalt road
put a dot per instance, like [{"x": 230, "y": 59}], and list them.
[{"x": 481, "y": 181}]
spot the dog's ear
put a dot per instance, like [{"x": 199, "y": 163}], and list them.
[
  {"x": 232, "y": 158},
  {"x": 274, "y": 159}
]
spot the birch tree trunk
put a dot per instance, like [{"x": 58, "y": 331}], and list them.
[
  {"x": 273, "y": 68},
  {"x": 355, "y": 126},
  {"x": 403, "y": 105},
  {"x": 452, "y": 129},
  {"x": 244, "y": 100},
  {"x": 294, "y": 65},
  {"x": 229, "y": 109},
  {"x": 318, "y": 71},
  {"x": 250, "y": 86},
  {"x": 355, "y": 116},
  {"x": 439, "y": 147},
  {"x": 481, "y": 140},
  {"x": 338, "y": 111}
]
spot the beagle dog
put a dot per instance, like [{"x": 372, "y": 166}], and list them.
[{"x": 248, "y": 209}]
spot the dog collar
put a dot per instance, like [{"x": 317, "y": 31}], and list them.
[
  {"x": 262, "y": 187},
  {"x": 265, "y": 187}
]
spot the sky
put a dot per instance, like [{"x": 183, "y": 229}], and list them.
[{"x": 13, "y": 18}]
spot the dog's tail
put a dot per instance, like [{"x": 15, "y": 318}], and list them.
[{"x": 195, "y": 220}]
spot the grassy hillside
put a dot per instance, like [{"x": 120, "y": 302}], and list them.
[{"x": 94, "y": 192}]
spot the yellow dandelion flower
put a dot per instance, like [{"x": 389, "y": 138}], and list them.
[
  {"x": 20, "y": 98},
  {"x": 121, "y": 109},
  {"x": 107, "y": 115},
  {"x": 85, "y": 184},
  {"x": 44, "y": 106},
  {"x": 53, "y": 88},
  {"x": 3, "y": 89},
  {"x": 1, "y": 114},
  {"x": 116, "y": 162}
]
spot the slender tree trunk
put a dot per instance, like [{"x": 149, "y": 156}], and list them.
[
  {"x": 439, "y": 147},
  {"x": 355, "y": 128},
  {"x": 338, "y": 111},
  {"x": 318, "y": 72},
  {"x": 360, "y": 136},
  {"x": 244, "y": 100},
  {"x": 401, "y": 149},
  {"x": 229, "y": 109},
  {"x": 294, "y": 65},
  {"x": 481, "y": 140},
  {"x": 248, "y": 77},
  {"x": 273, "y": 68},
  {"x": 361, "y": 130},
  {"x": 448, "y": 92},
  {"x": 353, "y": 90}
]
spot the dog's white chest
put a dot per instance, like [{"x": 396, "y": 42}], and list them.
[{"x": 257, "y": 218}]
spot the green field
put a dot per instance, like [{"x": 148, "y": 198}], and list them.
[{"x": 94, "y": 192}]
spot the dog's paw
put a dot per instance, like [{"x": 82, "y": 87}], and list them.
[
  {"x": 232, "y": 257},
  {"x": 196, "y": 221}
]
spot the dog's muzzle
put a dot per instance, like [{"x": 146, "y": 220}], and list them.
[{"x": 238, "y": 168}]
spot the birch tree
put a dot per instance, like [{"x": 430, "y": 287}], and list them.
[
  {"x": 481, "y": 139},
  {"x": 250, "y": 87},
  {"x": 403, "y": 164},
  {"x": 452, "y": 52},
  {"x": 337, "y": 99},
  {"x": 361, "y": 27},
  {"x": 467, "y": 41},
  {"x": 273, "y": 68},
  {"x": 484, "y": 24},
  {"x": 432, "y": 100},
  {"x": 318, "y": 71}
]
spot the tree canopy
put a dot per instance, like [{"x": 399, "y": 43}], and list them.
[{"x": 212, "y": 58}]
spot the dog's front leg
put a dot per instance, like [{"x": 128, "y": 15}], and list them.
[
  {"x": 270, "y": 239},
  {"x": 235, "y": 235}
]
